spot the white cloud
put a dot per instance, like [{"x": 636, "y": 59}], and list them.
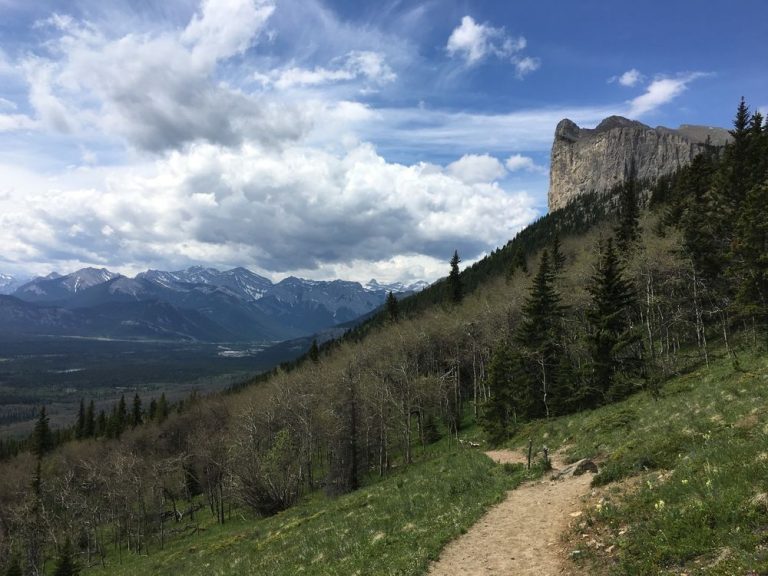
[
  {"x": 365, "y": 65},
  {"x": 229, "y": 206},
  {"x": 661, "y": 91},
  {"x": 13, "y": 122},
  {"x": 518, "y": 162},
  {"x": 476, "y": 169},
  {"x": 474, "y": 42},
  {"x": 158, "y": 90},
  {"x": 629, "y": 78}
]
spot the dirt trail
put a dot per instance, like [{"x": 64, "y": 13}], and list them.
[{"x": 520, "y": 536}]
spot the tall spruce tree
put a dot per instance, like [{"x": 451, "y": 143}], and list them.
[
  {"x": 454, "y": 279},
  {"x": 89, "y": 429},
  {"x": 509, "y": 395},
  {"x": 628, "y": 228},
  {"x": 314, "y": 352},
  {"x": 42, "y": 438},
  {"x": 392, "y": 306},
  {"x": 611, "y": 336},
  {"x": 558, "y": 258},
  {"x": 540, "y": 336},
  {"x": 136, "y": 412}
]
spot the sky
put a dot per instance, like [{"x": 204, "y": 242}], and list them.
[{"x": 327, "y": 139}]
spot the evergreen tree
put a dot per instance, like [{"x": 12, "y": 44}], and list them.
[
  {"x": 540, "y": 335},
  {"x": 162, "y": 408},
  {"x": 80, "y": 424},
  {"x": 392, "y": 307},
  {"x": 101, "y": 424},
  {"x": 314, "y": 352},
  {"x": 454, "y": 279},
  {"x": 558, "y": 258},
  {"x": 750, "y": 248},
  {"x": 89, "y": 429},
  {"x": 65, "y": 564},
  {"x": 610, "y": 329},
  {"x": 42, "y": 438},
  {"x": 136, "y": 413},
  {"x": 152, "y": 409},
  {"x": 508, "y": 399},
  {"x": 628, "y": 228}
]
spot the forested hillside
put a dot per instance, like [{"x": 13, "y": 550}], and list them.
[{"x": 605, "y": 298}]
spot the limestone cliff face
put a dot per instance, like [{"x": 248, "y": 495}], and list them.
[{"x": 586, "y": 160}]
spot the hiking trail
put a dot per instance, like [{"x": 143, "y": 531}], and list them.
[{"x": 521, "y": 536}]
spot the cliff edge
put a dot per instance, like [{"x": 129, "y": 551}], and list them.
[{"x": 596, "y": 159}]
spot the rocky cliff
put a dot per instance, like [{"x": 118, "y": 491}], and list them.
[{"x": 586, "y": 160}]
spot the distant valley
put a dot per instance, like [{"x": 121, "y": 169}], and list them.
[{"x": 196, "y": 304}]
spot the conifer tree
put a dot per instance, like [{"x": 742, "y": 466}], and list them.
[
  {"x": 101, "y": 424},
  {"x": 42, "y": 438},
  {"x": 393, "y": 311},
  {"x": 540, "y": 335},
  {"x": 162, "y": 408},
  {"x": 89, "y": 429},
  {"x": 136, "y": 413},
  {"x": 508, "y": 399},
  {"x": 628, "y": 228},
  {"x": 314, "y": 352},
  {"x": 610, "y": 329},
  {"x": 558, "y": 258},
  {"x": 454, "y": 279}
]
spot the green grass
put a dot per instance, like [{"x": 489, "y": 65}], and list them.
[
  {"x": 700, "y": 456},
  {"x": 395, "y": 526}
]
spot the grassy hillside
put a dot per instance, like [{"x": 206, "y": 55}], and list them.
[
  {"x": 683, "y": 489},
  {"x": 697, "y": 460},
  {"x": 394, "y": 526}
]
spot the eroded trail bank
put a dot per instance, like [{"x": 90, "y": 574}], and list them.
[{"x": 521, "y": 535}]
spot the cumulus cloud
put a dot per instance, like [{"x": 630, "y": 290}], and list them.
[
  {"x": 294, "y": 209},
  {"x": 518, "y": 162},
  {"x": 476, "y": 169},
  {"x": 474, "y": 42},
  {"x": 629, "y": 79},
  {"x": 661, "y": 91},
  {"x": 365, "y": 65},
  {"x": 159, "y": 90}
]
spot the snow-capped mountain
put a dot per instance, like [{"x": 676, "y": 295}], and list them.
[
  {"x": 8, "y": 283},
  {"x": 236, "y": 304},
  {"x": 54, "y": 287},
  {"x": 374, "y": 285},
  {"x": 240, "y": 281}
]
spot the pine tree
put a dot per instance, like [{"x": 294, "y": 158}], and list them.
[
  {"x": 89, "y": 430},
  {"x": 610, "y": 329},
  {"x": 314, "y": 352},
  {"x": 162, "y": 408},
  {"x": 101, "y": 424},
  {"x": 454, "y": 279},
  {"x": 509, "y": 400},
  {"x": 42, "y": 438},
  {"x": 540, "y": 335},
  {"x": 136, "y": 413},
  {"x": 628, "y": 228},
  {"x": 121, "y": 416},
  {"x": 558, "y": 258},
  {"x": 393, "y": 311}
]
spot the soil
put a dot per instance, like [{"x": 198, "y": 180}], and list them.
[{"x": 522, "y": 535}]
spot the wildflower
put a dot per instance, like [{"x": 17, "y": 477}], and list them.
[
  {"x": 659, "y": 505},
  {"x": 684, "y": 481}
]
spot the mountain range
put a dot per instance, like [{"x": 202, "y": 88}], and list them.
[{"x": 194, "y": 304}]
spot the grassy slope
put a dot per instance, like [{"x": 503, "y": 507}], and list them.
[
  {"x": 700, "y": 455},
  {"x": 395, "y": 526},
  {"x": 700, "y": 505}
]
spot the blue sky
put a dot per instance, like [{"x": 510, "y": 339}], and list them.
[{"x": 328, "y": 139}]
